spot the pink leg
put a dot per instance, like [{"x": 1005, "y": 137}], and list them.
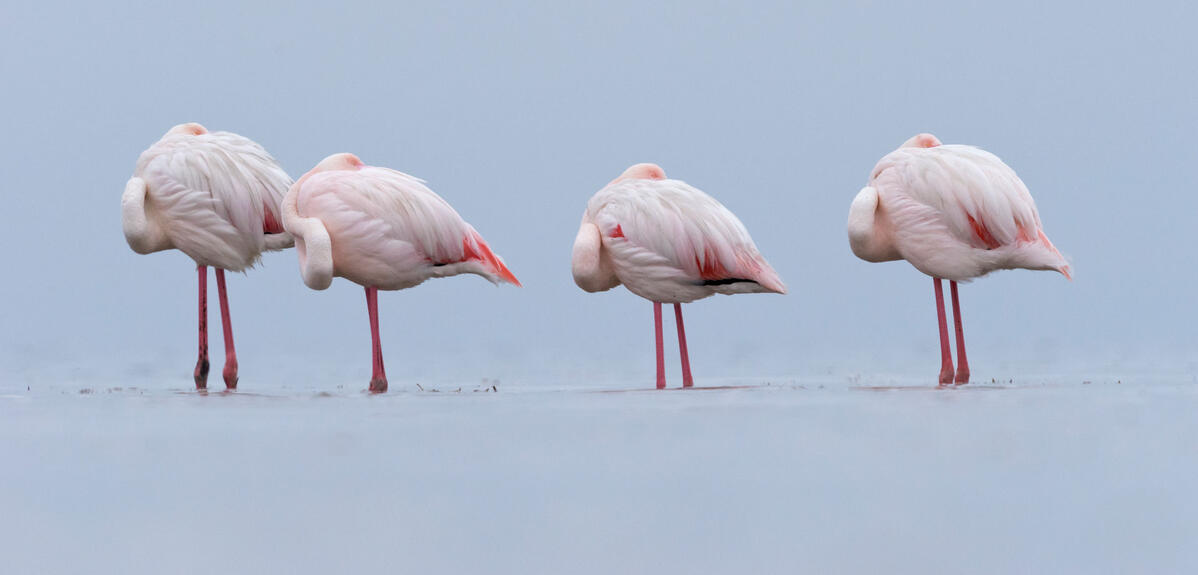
[
  {"x": 946, "y": 358},
  {"x": 661, "y": 358},
  {"x": 687, "y": 380},
  {"x": 378, "y": 379},
  {"x": 230, "y": 372},
  {"x": 201, "y": 373},
  {"x": 962, "y": 363}
]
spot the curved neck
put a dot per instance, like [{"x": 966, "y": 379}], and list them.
[
  {"x": 869, "y": 235},
  {"x": 586, "y": 262},
  {"x": 142, "y": 231},
  {"x": 312, "y": 242}
]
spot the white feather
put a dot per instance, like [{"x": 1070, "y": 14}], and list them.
[
  {"x": 955, "y": 212},
  {"x": 388, "y": 229},
  {"x": 673, "y": 236},
  {"x": 208, "y": 194}
]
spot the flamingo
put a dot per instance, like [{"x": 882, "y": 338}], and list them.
[
  {"x": 381, "y": 229},
  {"x": 667, "y": 242},
  {"x": 213, "y": 196},
  {"x": 954, "y": 212}
]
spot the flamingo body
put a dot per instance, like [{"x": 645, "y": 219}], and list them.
[
  {"x": 954, "y": 212},
  {"x": 667, "y": 242},
  {"x": 381, "y": 228},
  {"x": 214, "y": 196}
]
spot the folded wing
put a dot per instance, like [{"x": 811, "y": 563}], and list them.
[
  {"x": 980, "y": 200},
  {"x": 395, "y": 221},
  {"x": 668, "y": 220}
]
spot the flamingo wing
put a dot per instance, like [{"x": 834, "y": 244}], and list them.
[
  {"x": 395, "y": 221},
  {"x": 979, "y": 199},
  {"x": 668, "y": 222},
  {"x": 217, "y": 177}
]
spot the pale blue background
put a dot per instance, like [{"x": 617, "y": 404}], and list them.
[{"x": 517, "y": 113}]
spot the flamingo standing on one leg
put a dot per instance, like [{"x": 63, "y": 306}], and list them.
[
  {"x": 954, "y": 212},
  {"x": 213, "y": 196},
  {"x": 668, "y": 243},
  {"x": 381, "y": 229}
]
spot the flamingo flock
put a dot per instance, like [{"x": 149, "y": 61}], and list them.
[{"x": 953, "y": 212}]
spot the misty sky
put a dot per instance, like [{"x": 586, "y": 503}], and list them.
[{"x": 516, "y": 114}]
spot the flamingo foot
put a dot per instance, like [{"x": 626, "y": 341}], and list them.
[
  {"x": 230, "y": 372},
  {"x": 201, "y": 374},
  {"x": 962, "y": 376},
  {"x": 946, "y": 375},
  {"x": 378, "y": 384}
]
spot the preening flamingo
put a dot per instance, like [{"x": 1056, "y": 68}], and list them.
[
  {"x": 381, "y": 229},
  {"x": 667, "y": 242},
  {"x": 215, "y": 197},
  {"x": 954, "y": 212}
]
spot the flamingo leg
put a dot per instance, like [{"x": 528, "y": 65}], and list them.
[
  {"x": 378, "y": 379},
  {"x": 962, "y": 362},
  {"x": 201, "y": 372},
  {"x": 946, "y": 358},
  {"x": 230, "y": 372},
  {"x": 687, "y": 380},
  {"x": 661, "y": 358}
]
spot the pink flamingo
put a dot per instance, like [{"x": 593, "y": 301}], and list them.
[
  {"x": 212, "y": 196},
  {"x": 668, "y": 243},
  {"x": 381, "y": 229},
  {"x": 954, "y": 212}
]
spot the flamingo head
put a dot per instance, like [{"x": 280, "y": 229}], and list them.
[
  {"x": 338, "y": 162},
  {"x": 922, "y": 141},
  {"x": 188, "y": 129},
  {"x": 343, "y": 162},
  {"x": 642, "y": 172}
]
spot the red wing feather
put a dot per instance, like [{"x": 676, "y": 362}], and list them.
[{"x": 474, "y": 248}]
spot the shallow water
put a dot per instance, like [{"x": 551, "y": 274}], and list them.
[{"x": 879, "y": 474}]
